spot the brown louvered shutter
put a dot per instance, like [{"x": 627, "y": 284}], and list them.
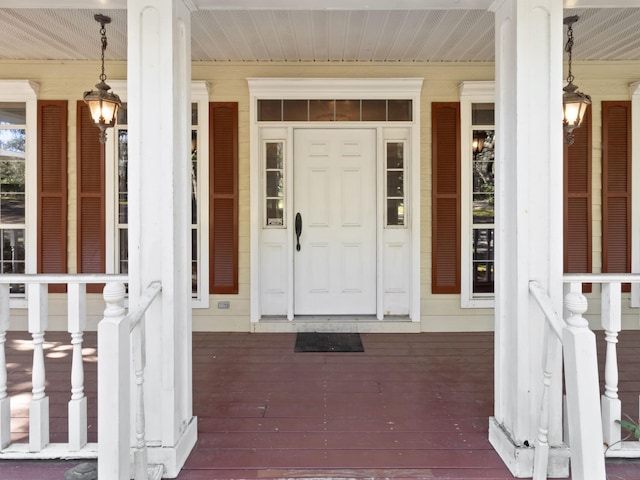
[
  {"x": 445, "y": 122},
  {"x": 91, "y": 197},
  {"x": 616, "y": 188},
  {"x": 223, "y": 201},
  {"x": 578, "y": 202},
  {"x": 52, "y": 188}
]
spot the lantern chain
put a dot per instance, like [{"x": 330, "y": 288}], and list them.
[{"x": 103, "y": 33}]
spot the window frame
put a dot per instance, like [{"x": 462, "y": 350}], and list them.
[
  {"x": 26, "y": 91},
  {"x": 200, "y": 97},
  {"x": 470, "y": 93}
]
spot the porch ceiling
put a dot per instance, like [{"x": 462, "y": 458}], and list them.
[{"x": 243, "y": 31}]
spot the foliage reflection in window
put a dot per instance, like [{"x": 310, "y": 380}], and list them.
[
  {"x": 395, "y": 183},
  {"x": 483, "y": 209},
  {"x": 122, "y": 221},
  {"x": 274, "y": 183},
  {"x": 13, "y": 134}
]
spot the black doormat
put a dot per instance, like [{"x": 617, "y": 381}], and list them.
[{"x": 328, "y": 342}]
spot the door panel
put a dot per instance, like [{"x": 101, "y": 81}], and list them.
[{"x": 335, "y": 194}]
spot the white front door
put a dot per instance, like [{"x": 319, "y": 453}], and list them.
[{"x": 335, "y": 197}]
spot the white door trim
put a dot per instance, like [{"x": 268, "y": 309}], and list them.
[{"x": 303, "y": 88}]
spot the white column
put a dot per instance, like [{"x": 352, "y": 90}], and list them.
[
  {"x": 159, "y": 122},
  {"x": 529, "y": 49}
]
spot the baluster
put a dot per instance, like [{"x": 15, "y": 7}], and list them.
[
  {"x": 541, "y": 454},
  {"x": 612, "y": 324},
  {"x": 140, "y": 454},
  {"x": 5, "y": 401},
  {"x": 138, "y": 338},
  {"x": 39, "y": 407},
  {"x": 114, "y": 366},
  {"x": 76, "y": 301}
]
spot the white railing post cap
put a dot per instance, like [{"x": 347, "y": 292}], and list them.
[
  {"x": 577, "y": 304},
  {"x": 113, "y": 292}
]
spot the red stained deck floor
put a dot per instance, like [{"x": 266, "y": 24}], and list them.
[{"x": 411, "y": 406}]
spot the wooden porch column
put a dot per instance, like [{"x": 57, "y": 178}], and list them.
[
  {"x": 529, "y": 81},
  {"x": 159, "y": 123}
]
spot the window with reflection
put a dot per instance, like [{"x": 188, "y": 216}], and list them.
[
  {"x": 483, "y": 197},
  {"x": 395, "y": 187},
  {"x": 122, "y": 196},
  {"x": 13, "y": 134},
  {"x": 274, "y": 183}
]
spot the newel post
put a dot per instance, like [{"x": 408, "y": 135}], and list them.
[
  {"x": 114, "y": 367},
  {"x": 583, "y": 392}
]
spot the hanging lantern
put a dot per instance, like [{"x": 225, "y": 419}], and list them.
[
  {"x": 102, "y": 103},
  {"x": 574, "y": 102}
]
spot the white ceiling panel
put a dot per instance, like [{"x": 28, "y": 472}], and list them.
[{"x": 299, "y": 35}]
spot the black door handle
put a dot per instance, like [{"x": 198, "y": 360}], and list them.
[{"x": 298, "y": 230}]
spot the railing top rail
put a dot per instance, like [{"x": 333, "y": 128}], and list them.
[
  {"x": 143, "y": 303},
  {"x": 540, "y": 294},
  {"x": 601, "y": 277},
  {"x": 57, "y": 278}
]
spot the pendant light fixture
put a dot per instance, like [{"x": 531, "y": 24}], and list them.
[
  {"x": 574, "y": 102},
  {"x": 103, "y": 104}
]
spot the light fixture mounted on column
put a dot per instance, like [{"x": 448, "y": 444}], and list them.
[
  {"x": 103, "y": 104},
  {"x": 574, "y": 102}
]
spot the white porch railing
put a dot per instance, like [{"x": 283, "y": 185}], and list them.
[
  {"x": 611, "y": 323},
  {"x": 581, "y": 384},
  {"x": 115, "y": 334},
  {"x": 589, "y": 441}
]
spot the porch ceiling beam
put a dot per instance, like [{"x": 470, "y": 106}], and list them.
[{"x": 311, "y": 4}]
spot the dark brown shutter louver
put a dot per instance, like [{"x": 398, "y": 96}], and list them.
[
  {"x": 52, "y": 188},
  {"x": 446, "y": 197},
  {"x": 223, "y": 201},
  {"x": 91, "y": 197},
  {"x": 578, "y": 202},
  {"x": 616, "y": 188}
]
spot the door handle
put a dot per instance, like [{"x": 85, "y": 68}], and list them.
[{"x": 298, "y": 230}]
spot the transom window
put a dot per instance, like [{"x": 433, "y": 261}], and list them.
[{"x": 334, "y": 110}]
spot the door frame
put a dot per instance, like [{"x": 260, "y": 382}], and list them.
[{"x": 311, "y": 88}]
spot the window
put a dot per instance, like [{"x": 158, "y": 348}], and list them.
[
  {"x": 18, "y": 180},
  {"x": 335, "y": 110},
  {"x": 117, "y": 202},
  {"x": 477, "y": 195},
  {"x": 482, "y": 199},
  {"x": 13, "y": 132},
  {"x": 122, "y": 211},
  {"x": 395, "y": 188},
  {"x": 274, "y": 183}
]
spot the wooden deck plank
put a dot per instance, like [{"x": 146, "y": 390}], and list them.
[{"x": 410, "y": 406}]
